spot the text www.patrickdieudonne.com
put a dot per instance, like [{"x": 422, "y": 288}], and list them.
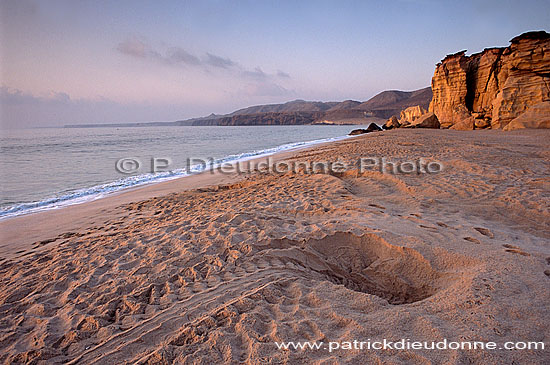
[{"x": 407, "y": 344}]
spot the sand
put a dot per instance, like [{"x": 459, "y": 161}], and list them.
[{"x": 216, "y": 268}]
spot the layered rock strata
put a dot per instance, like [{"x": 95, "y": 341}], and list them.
[{"x": 493, "y": 87}]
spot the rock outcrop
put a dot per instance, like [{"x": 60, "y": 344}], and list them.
[
  {"x": 428, "y": 120},
  {"x": 537, "y": 116},
  {"x": 466, "y": 124},
  {"x": 493, "y": 87},
  {"x": 373, "y": 127},
  {"x": 391, "y": 123},
  {"x": 411, "y": 113}
]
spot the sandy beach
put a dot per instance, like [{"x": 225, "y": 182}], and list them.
[{"x": 218, "y": 268}]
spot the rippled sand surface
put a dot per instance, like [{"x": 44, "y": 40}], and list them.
[{"x": 217, "y": 270}]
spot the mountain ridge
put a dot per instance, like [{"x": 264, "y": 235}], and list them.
[
  {"x": 296, "y": 112},
  {"x": 299, "y": 112}
]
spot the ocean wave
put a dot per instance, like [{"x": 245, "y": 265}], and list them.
[{"x": 79, "y": 196}]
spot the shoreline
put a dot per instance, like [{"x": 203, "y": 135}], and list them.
[
  {"x": 177, "y": 174},
  {"x": 88, "y": 212},
  {"x": 214, "y": 266}
]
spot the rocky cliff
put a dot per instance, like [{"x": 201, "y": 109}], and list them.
[
  {"x": 411, "y": 114},
  {"x": 493, "y": 87}
]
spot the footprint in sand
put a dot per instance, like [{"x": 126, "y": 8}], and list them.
[
  {"x": 485, "y": 232},
  {"x": 519, "y": 252},
  {"x": 69, "y": 235},
  {"x": 45, "y": 242},
  {"x": 472, "y": 239},
  {"x": 515, "y": 249},
  {"x": 433, "y": 229},
  {"x": 377, "y": 206}
]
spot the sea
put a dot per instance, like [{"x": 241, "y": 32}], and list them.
[{"x": 48, "y": 168}]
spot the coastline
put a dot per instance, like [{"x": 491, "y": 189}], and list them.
[
  {"x": 220, "y": 267},
  {"x": 107, "y": 188},
  {"x": 41, "y": 225}
]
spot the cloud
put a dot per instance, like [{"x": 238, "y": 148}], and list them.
[
  {"x": 177, "y": 55},
  {"x": 11, "y": 97},
  {"x": 139, "y": 48},
  {"x": 134, "y": 47},
  {"x": 283, "y": 74},
  {"x": 256, "y": 82},
  {"x": 256, "y": 74},
  {"x": 22, "y": 110},
  {"x": 218, "y": 61},
  {"x": 174, "y": 56},
  {"x": 19, "y": 109}
]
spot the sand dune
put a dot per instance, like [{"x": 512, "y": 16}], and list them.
[{"x": 218, "y": 273}]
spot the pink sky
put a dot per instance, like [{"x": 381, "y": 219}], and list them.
[{"x": 67, "y": 62}]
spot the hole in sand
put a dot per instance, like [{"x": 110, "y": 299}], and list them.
[{"x": 365, "y": 264}]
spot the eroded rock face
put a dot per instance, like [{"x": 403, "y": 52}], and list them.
[
  {"x": 411, "y": 113},
  {"x": 466, "y": 124},
  {"x": 391, "y": 123},
  {"x": 537, "y": 116},
  {"x": 492, "y": 87}
]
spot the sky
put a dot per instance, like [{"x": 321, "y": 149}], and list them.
[{"x": 79, "y": 62}]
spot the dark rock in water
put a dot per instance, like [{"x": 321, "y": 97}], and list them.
[
  {"x": 373, "y": 127},
  {"x": 356, "y": 132}
]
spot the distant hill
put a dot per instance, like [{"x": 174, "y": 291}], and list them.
[
  {"x": 299, "y": 112},
  {"x": 391, "y": 102},
  {"x": 345, "y": 105},
  {"x": 291, "y": 106}
]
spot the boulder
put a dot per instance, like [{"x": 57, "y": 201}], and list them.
[
  {"x": 428, "y": 120},
  {"x": 356, "y": 132},
  {"x": 373, "y": 127},
  {"x": 391, "y": 123},
  {"x": 466, "y": 124},
  {"x": 496, "y": 85},
  {"x": 482, "y": 123},
  {"x": 405, "y": 123},
  {"x": 537, "y": 116}
]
